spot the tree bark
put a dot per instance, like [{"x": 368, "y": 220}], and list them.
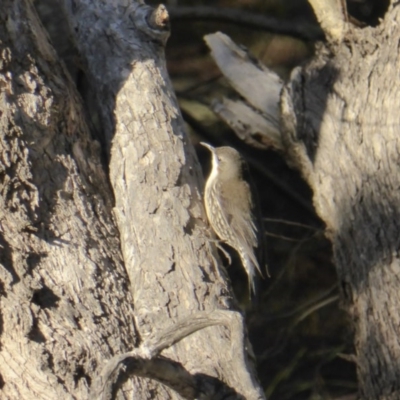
[
  {"x": 65, "y": 299},
  {"x": 93, "y": 272},
  {"x": 156, "y": 179},
  {"x": 341, "y": 129}
]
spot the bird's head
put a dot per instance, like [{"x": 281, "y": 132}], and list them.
[{"x": 226, "y": 161}]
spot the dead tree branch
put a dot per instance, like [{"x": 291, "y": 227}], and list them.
[{"x": 295, "y": 28}]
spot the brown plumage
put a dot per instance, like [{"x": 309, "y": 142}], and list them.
[{"x": 229, "y": 205}]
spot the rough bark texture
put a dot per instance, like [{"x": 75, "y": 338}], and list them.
[
  {"x": 70, "y": 298},
  {"x": 65, "y": 299},
  {"x": 156, "y": 180},
  {"x": 342, "y": 130}
]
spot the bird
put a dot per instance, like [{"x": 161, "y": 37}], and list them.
[{"x": 229, "y": 207}]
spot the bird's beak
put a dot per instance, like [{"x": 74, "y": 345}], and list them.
[
  {"x": 209, "y": 147},
  {"x": 213, "y": 153}
]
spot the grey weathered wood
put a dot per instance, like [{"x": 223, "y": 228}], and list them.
[
  {"x": 340, "y": 122},
  {"x": 157, "y": 186},
  {"x": 65, "y": 298},
  {"x": 331, "y": 15},
  {"x": 142, "y": 360},
  {"x": 255, "y": 82},
  {"x": 259, "y": 86},
  {"x": 249, "y": 125}
]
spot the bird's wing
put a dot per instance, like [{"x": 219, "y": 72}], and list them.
[
  {"x": 243, "y": 221},
  {"x": 238, "y": 214},
  {"x": 257, "y": 219}
]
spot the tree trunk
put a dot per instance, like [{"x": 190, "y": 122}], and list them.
[
  {"x": 78, "y": 287},
  {"x": 65, "y": 300},
  {"x": 341, "y": 128}
]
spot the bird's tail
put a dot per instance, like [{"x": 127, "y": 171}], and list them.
[{"x": 250, "y": 264}]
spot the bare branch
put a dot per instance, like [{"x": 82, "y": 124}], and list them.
[
  {"x": 142, "y": 360},
  {"x": 256, "y": 83},
  {"x": 298, "y": 29},
  {"x": 249, "y": 125},
  {"x": 331, "y": 15}
]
